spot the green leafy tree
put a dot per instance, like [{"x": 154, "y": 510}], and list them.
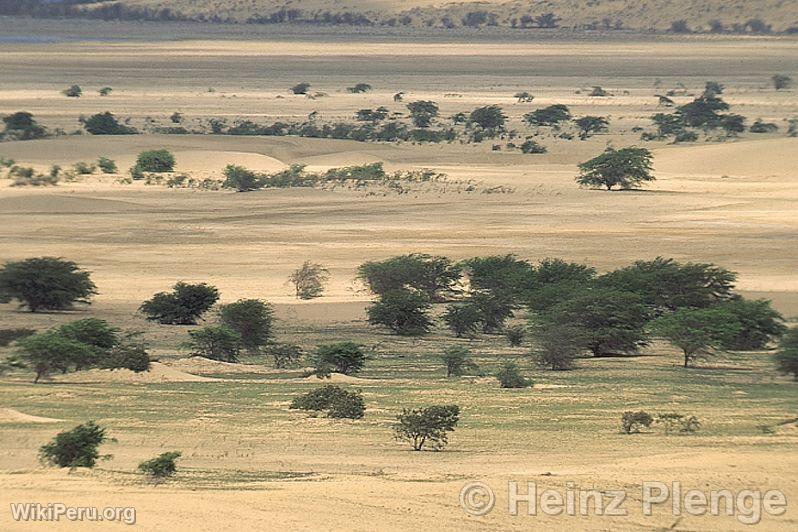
[
  {"x": 422, "y": 112},
  {"x": 434, "y": 276},
  {"x": 457, "y": 360},
  {"x": 493, "y": 308},
  {"x": 51, "y": 351},
  {"x": 590, "y": 125},
  {"x": 301, "y": 88},
  {"x": 45, "y": 283},
  {"x": 75, "y": 448},
  {"x": 162, "y": 466},
  {"x": 557, "y": 345},
  {"x": 402, "y": 311},
  {"x": 760, "y": 324},
  {"x": 613, "y": 320},
  {"x": 552, "y": 115},
  {"x": 155, "y": 161},
  {"x": 787, "y": 355},
  {"x": 625, "y": 168},
  {"x": 252, "y": 319},
  {"x": 462, "y": 320},
  {"x": 509, "y": 376},
  {"x": 128, "y": 353},
  {"x": 22, "y": 126},
  {"x": 242, "y": 179},
  {"x": 429, "y": 425},
  {"x": 488, "y": 117},
  {"x": 217, "y": 342},
  {"x": 309, "y": 280},
  {"x": 337, "y": 402},
  {"x": 697, "y": 331},
  {"x": 347, "y": 358},
  {"x": 95, "y": 333},
  {"x": 504, "y": 275},
  {"x": 284, "y": 355},
  {"x": 184, "y": 305},
  {"x": 107, "y": 165},
  {"x": 106, "y": 124}
]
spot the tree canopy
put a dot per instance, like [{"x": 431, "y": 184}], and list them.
[{"x": 625, "y": 168}]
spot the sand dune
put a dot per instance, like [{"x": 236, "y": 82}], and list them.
[
  {"x": 158, "y": 373},
  {"x": 9, "y": 415}
]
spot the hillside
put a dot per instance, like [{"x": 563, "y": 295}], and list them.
[{"x": 740, "y": 16}]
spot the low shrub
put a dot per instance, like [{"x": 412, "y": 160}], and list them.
[
  {"x": 162, "y": 466},
  {"x": 632, "y": 422},
  {"x": 510, "y": 377},
  {"x": 338, "y": 402},
  {"x": 673, "y": 422},
  {"x": 75, "y": 448},
  {"x": 107, "y": 165}
]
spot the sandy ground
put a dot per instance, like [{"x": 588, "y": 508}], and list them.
[{"x": 731, "y": 203}]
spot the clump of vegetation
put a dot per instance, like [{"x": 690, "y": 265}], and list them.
[
  {"x": 781, "y": 81},
  {"x": 634, "y": 422},
  {"x": 530, "y": 146},
  {"x": 787, "y": 355},
  {"x": 52, "y": 351},
  {"x": 674, "y": 422},
  {"x": 7, "y": 336},
  {"x": 284, "y": 355},
  {"x": 523, "y": 97},
  {"x": 457, "y": 360},
  {"x": 105, "y": 91},
  {"x": 553, "y": 115},
  {"x": 337, "y": 402},
  {"x": 463, "y": 320},
  {"x": 434, "y": 276},
  {"x": 128, "y": 353},
  {"x": 515, "y": 335},
  {"x": 590, "y": 125},
  {"x": 598, "y": 92},
  {"x": 697, "y": 331},
  {"x": 22, "y": 126},
  {"x": 422, "y": 112},
  {"x": 241, "y": 179},
  {"x": 309, "y": 280},
  {"x": 509, "y": 376},
  {"x": 301, "y": 88},
  {"x": 106, "y": 124},
  {"x": 156, "y": 161},
  {"x": 347, "y": 358},
  {"x": 763, "y": 127},
  {"x": 359, "y": 88},
  {"x": 45, "y": 283},
  {"x": 73, "y": 92},
  {"x": 488, "y": 117},
  {"x": 217, "y": 342},
  {"x": 75, "y": 448},
  {"x": 184, "y": 305},
  {"x": 108, "y": 166},
  {"x": 83, "y": 168},
  {"x": 252, "y": 319},
  {"x": 161, "y": 467},
  {"x": 558, "y": 344},
  {"x": 402, "y": 311},
  {"x": 626, "y": 168},
  {"x": 427, "y": 426}
]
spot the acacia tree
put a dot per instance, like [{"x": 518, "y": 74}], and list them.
[
  {"x": 488, "y": 117},
  {"x": 697, "y": 331},
  {"x": 347, "y": 358},
  {"x": 434, "y": 276},
  {"x": 552, "y": 115},
  {"x": 590, "y": 125},
  {"x": 402, "y": 311},
  {"x": 252, "y": 319},
  {"x": 217, "y": 342},
  {"x": 184, "y": 305},
  {"x": 557, "y": 345},
  {"x": 626, "y": 168},
  {"x": 457, "y": 360},
  {"x": 52, "y": 351},
  {"x": 422, "y": 112},
  {"x": 309, "y": 280},
  {"x": 45, "y": 283},
  {"x": 427, "y": 425}
]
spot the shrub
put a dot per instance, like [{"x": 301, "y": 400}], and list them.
[
  {"x": 106, "y": 124},
  {"x": 598, "y": 92},
  {"x": 422, "y": 112},
  {"x": 435, "y": 276},
  {"x": 510, "y": 377},
  {"x": 309, "y": 280},
  {"x": 530, "y": 146},
  {"x": 183, "y": 306},
  {"x": 75, "y": 448},
  {"x": 83, "y": 168},
  {"x": 673, "y": 422},
  {"x": 493, "y": 308},
  {"x": 457, "y": 360},
  {"x": 285, "y": 355},
  {"x": 241, "y": 179},
  {"x": 73, "y": 92},
  {"x": 557, "y": 344},
  {"x": 488, "y": 117},
  {"x": 7, "y": 336},
  {"x": 787, "y": 355},
  {"x": 626, "y": 168},
  {"x": 402, "y": 311},
  {"x": 107, "y": 165},
  {"x": 359, "y": 88},
  {"x": 697, "y": 331},
  {"x": 22, "y": 126},
  {"x": 763, "y": 127},
  {"x": 552, "y": 115},
  {"x": 633, "y": 422},
  {"x": 156, "y": 161},
  {"x": 428, "y": 425},
  {"x": 338, "y": 402},
  {"x": 463, "y": 320},
  {"x": 523, "y": 97},
  {"x": 45, "y": 283},
  {"x": 515, "y": 335},
  {"x": 252, "y": 319},
  {"x": 105, "y": 91},
  {"x": 780, "y": 81},
  {"x": 51, "y": 351},
  {"x": 300, "y": 88},
  {"x": 590, "y": 125},
  {"x": 341, "y": 357},
  {"x": 92, "y": 332},
  {"x": 176, "y": 118},
  {"x": 162, "y": 466},
  {"x": 217, "y": 342},
  {"x": 127, "y": 354}
]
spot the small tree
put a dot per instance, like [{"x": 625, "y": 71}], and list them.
[
  {"x": 155, "y": 161},
  {"x": 309, "y": 280},
  {"x": 515, "y": 335},
  {"x": 128, "y": 353},
  {"x": 337, "y": 402},
  {"x": 75, "y": 448},
  {"x": 523, "y": 97},
  {"x": 463, "y": 320},
  {"x": 73, "y": 92},
  {"x": 359, "y": 88},
  {"x": 697, "y": 331},
  {"x": 633, "y": 422},
  {"x": 285, "y": 355},
  {"x": 427, "y": 425},
  {"x": 590, "y": 125},
  {"x": 787, "y": 355},
  {"x": 51, "y": 351},
  {"x": 161, "y": 467},
  {"x": 217, "y": 342},
  {"x": 493, "y": 308},
  {"x": 402, "y": 311},
  {"x": 252, "y": 319},
  {"x": 552, "y": 115},
  {"x": 781, "y": 82},
  {"x": 106, "y": 124},
  {"x": 184, "y": 305},
  {"x": 558, "y": 344},
  {"x": 341, "y": 357},
  {"x": 242, "y": 179},
  {"x": 22, "y": 126},
  {"x": 457, "y": 360},
  {"x": 510, "y": 377},
  {"x": 45, "y": 283},
  {"x": 107, "y": 165},
  {"x": 488, "y": 117},
  {"x": 92, "y": 332},
  {"x": 759, "y": 323},
  {"x": 435, "y": 276},
  {"x": 301, "y": 88},
  {"x": 532, "y": 147},
  {"x": 422, "y": 112},
  {"x": 625, "y": 168},
  {"x": 105, "y": 91}
]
